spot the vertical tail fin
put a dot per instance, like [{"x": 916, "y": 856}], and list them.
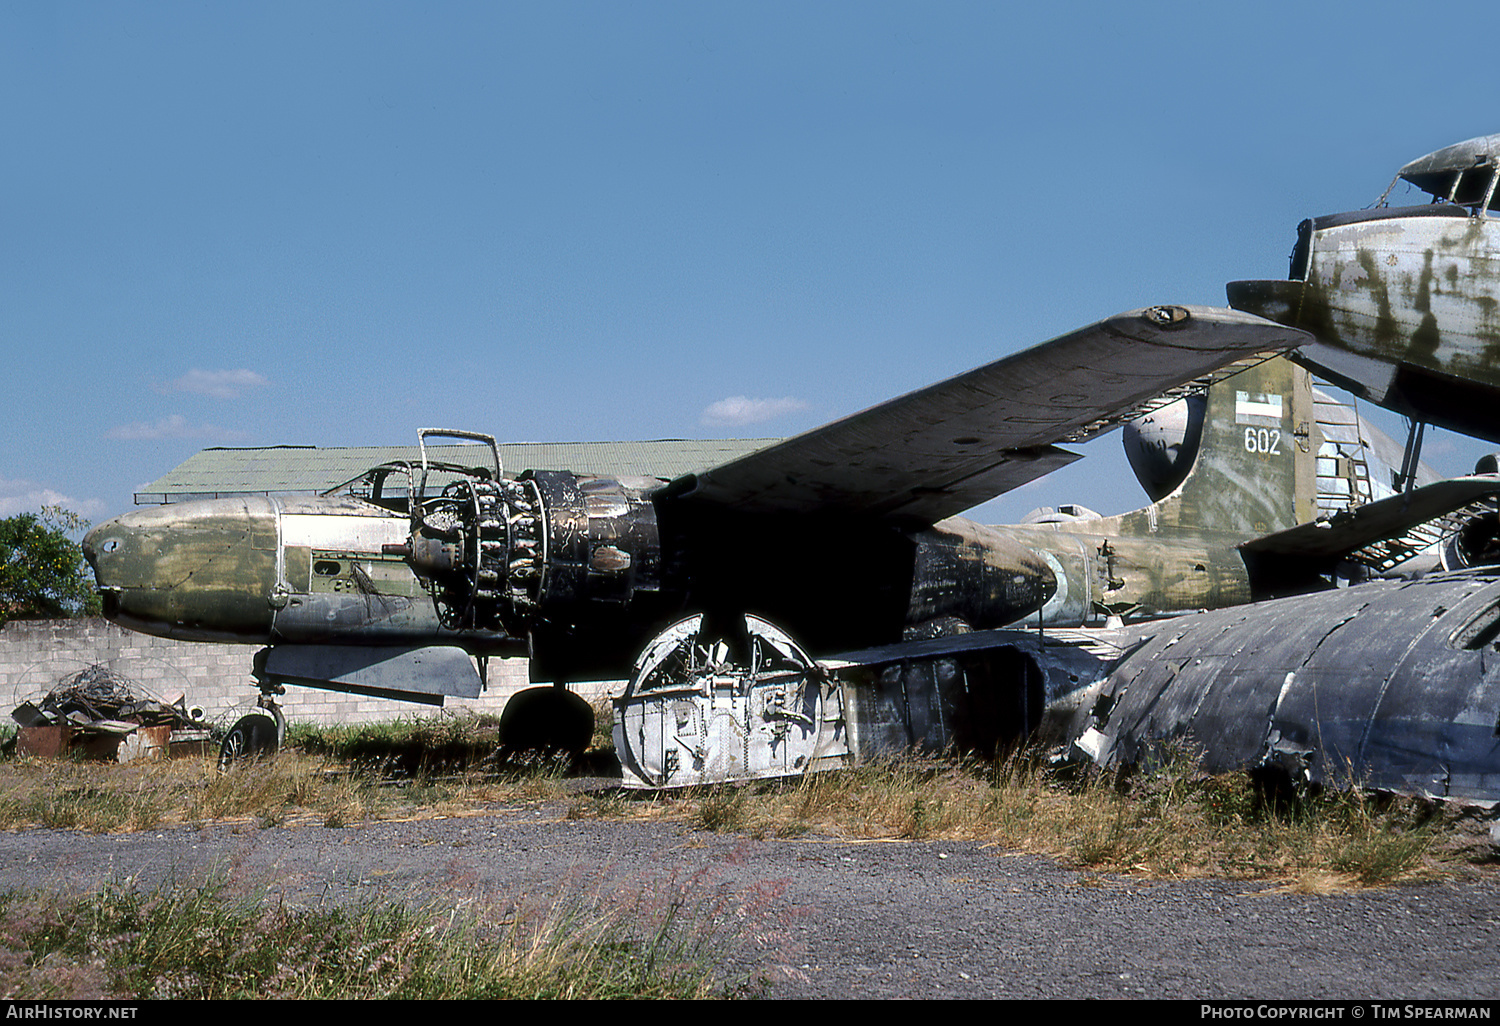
[{"x": 1250, "y": 453}]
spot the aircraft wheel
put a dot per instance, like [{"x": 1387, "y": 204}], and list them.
[
  {"x": 546, "y": 719},
  {"x": 251, "y": 737}
]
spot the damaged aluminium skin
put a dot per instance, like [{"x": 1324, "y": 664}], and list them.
[{"x": 1394, "y": 685}]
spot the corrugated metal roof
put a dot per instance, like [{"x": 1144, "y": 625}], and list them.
[{"x": 285, "y": 469}]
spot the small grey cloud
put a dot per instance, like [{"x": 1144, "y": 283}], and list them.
[
  {"x": 739, "y": 409},
  {"x": 218, "y": 384},
  {"x": 175, "y": 426},
  {"x": 22, "y": 496}
]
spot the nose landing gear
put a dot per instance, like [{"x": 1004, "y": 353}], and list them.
[{"x": 256, "y": 734}]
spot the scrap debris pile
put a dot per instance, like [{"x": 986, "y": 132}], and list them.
[{"x": 98, "y": 703}]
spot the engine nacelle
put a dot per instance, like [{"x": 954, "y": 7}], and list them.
[
  {"x": 1477, "y": 543},
  {"x": 501, "y": 553}
]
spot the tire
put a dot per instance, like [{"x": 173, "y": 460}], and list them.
[
  {"x": 251, "y": 737},
  {"x": 546, "y": 719}
]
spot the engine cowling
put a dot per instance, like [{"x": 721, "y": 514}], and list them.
[{"x": 1477, "y": 543}]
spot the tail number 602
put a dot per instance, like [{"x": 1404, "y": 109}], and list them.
[{"x": 1265, "y": 441}]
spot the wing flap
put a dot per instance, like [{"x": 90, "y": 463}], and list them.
[{"x": 935, "y": 452}]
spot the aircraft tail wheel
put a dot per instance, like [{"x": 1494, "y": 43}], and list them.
[
  {"x": 702, "y": 708},
  {"x": 546, "y": 719},
  {"x": 251, "y": 737}
]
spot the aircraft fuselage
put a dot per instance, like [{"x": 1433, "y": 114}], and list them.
[
  {"x": 1404, "y": 305},
  {"x": 577, "y": 575}
]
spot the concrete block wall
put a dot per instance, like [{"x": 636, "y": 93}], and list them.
[{"x": 35, "y": 654}]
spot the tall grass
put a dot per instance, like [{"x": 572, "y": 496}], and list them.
[
  {"x": 105, "y": 798},
  {"x": 206, "y": 941},
  {"x": 1169, "y": 822},
  {"x": 407, "y": 747}
]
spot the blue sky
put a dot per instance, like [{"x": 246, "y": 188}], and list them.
[{"x": 335, "y": 223}]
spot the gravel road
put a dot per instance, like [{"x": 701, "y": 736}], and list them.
[{"x": 875, "y": 919}]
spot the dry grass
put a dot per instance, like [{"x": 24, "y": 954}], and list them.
[
  {"x": 215, "y": 941},
  {"x": 106, "y": 798},
  {"x": 1171, "y": 823}
]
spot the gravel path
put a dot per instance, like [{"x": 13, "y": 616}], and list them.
[{"x": 841, "y": 919}]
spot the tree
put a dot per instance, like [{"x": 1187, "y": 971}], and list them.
[{"x": 42, "y": 569}]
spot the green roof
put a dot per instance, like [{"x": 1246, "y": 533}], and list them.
[{"x": 299, "y": 469}]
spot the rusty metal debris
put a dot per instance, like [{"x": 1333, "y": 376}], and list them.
[{"x": 100, "y": 713}]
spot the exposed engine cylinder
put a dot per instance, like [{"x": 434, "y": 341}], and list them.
[
  {"x": 501, "y": 552},
  {"x": 1477, "y": 542}
]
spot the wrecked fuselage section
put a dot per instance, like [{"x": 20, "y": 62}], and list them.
[
  {"x": 1393, "y": 685},
  {"x": 707, "y": 707}
]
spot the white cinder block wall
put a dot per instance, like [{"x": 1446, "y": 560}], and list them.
[{"x": 35, "y": 654}]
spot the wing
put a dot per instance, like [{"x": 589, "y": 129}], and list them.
[
  {"x": 1380, "y": 534},
  {"x": 937, "y": 451}
]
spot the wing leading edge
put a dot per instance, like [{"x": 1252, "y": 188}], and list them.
[{"x": 937, "y": 451}]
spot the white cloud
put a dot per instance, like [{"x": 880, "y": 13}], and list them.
[
  {"x": 219, "y": 384},
  {"x": 23, "y": 496},
  {"x": 175, "y": 426},
  {"x": 739, "y": 409}
]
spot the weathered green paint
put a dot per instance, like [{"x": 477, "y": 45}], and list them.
[
  {"x": 1182, "y": 553},
  {"x": 208, "y": 572},
  {"x": 1413, "y": 291},
  {"x": 330, "y": 570}
]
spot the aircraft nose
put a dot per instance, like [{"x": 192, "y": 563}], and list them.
[
  {"x": 93, "y": 549},
  {"x": 200, "y": 571}
]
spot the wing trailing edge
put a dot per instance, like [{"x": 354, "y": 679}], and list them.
[{"x": 939, "y": 450}]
